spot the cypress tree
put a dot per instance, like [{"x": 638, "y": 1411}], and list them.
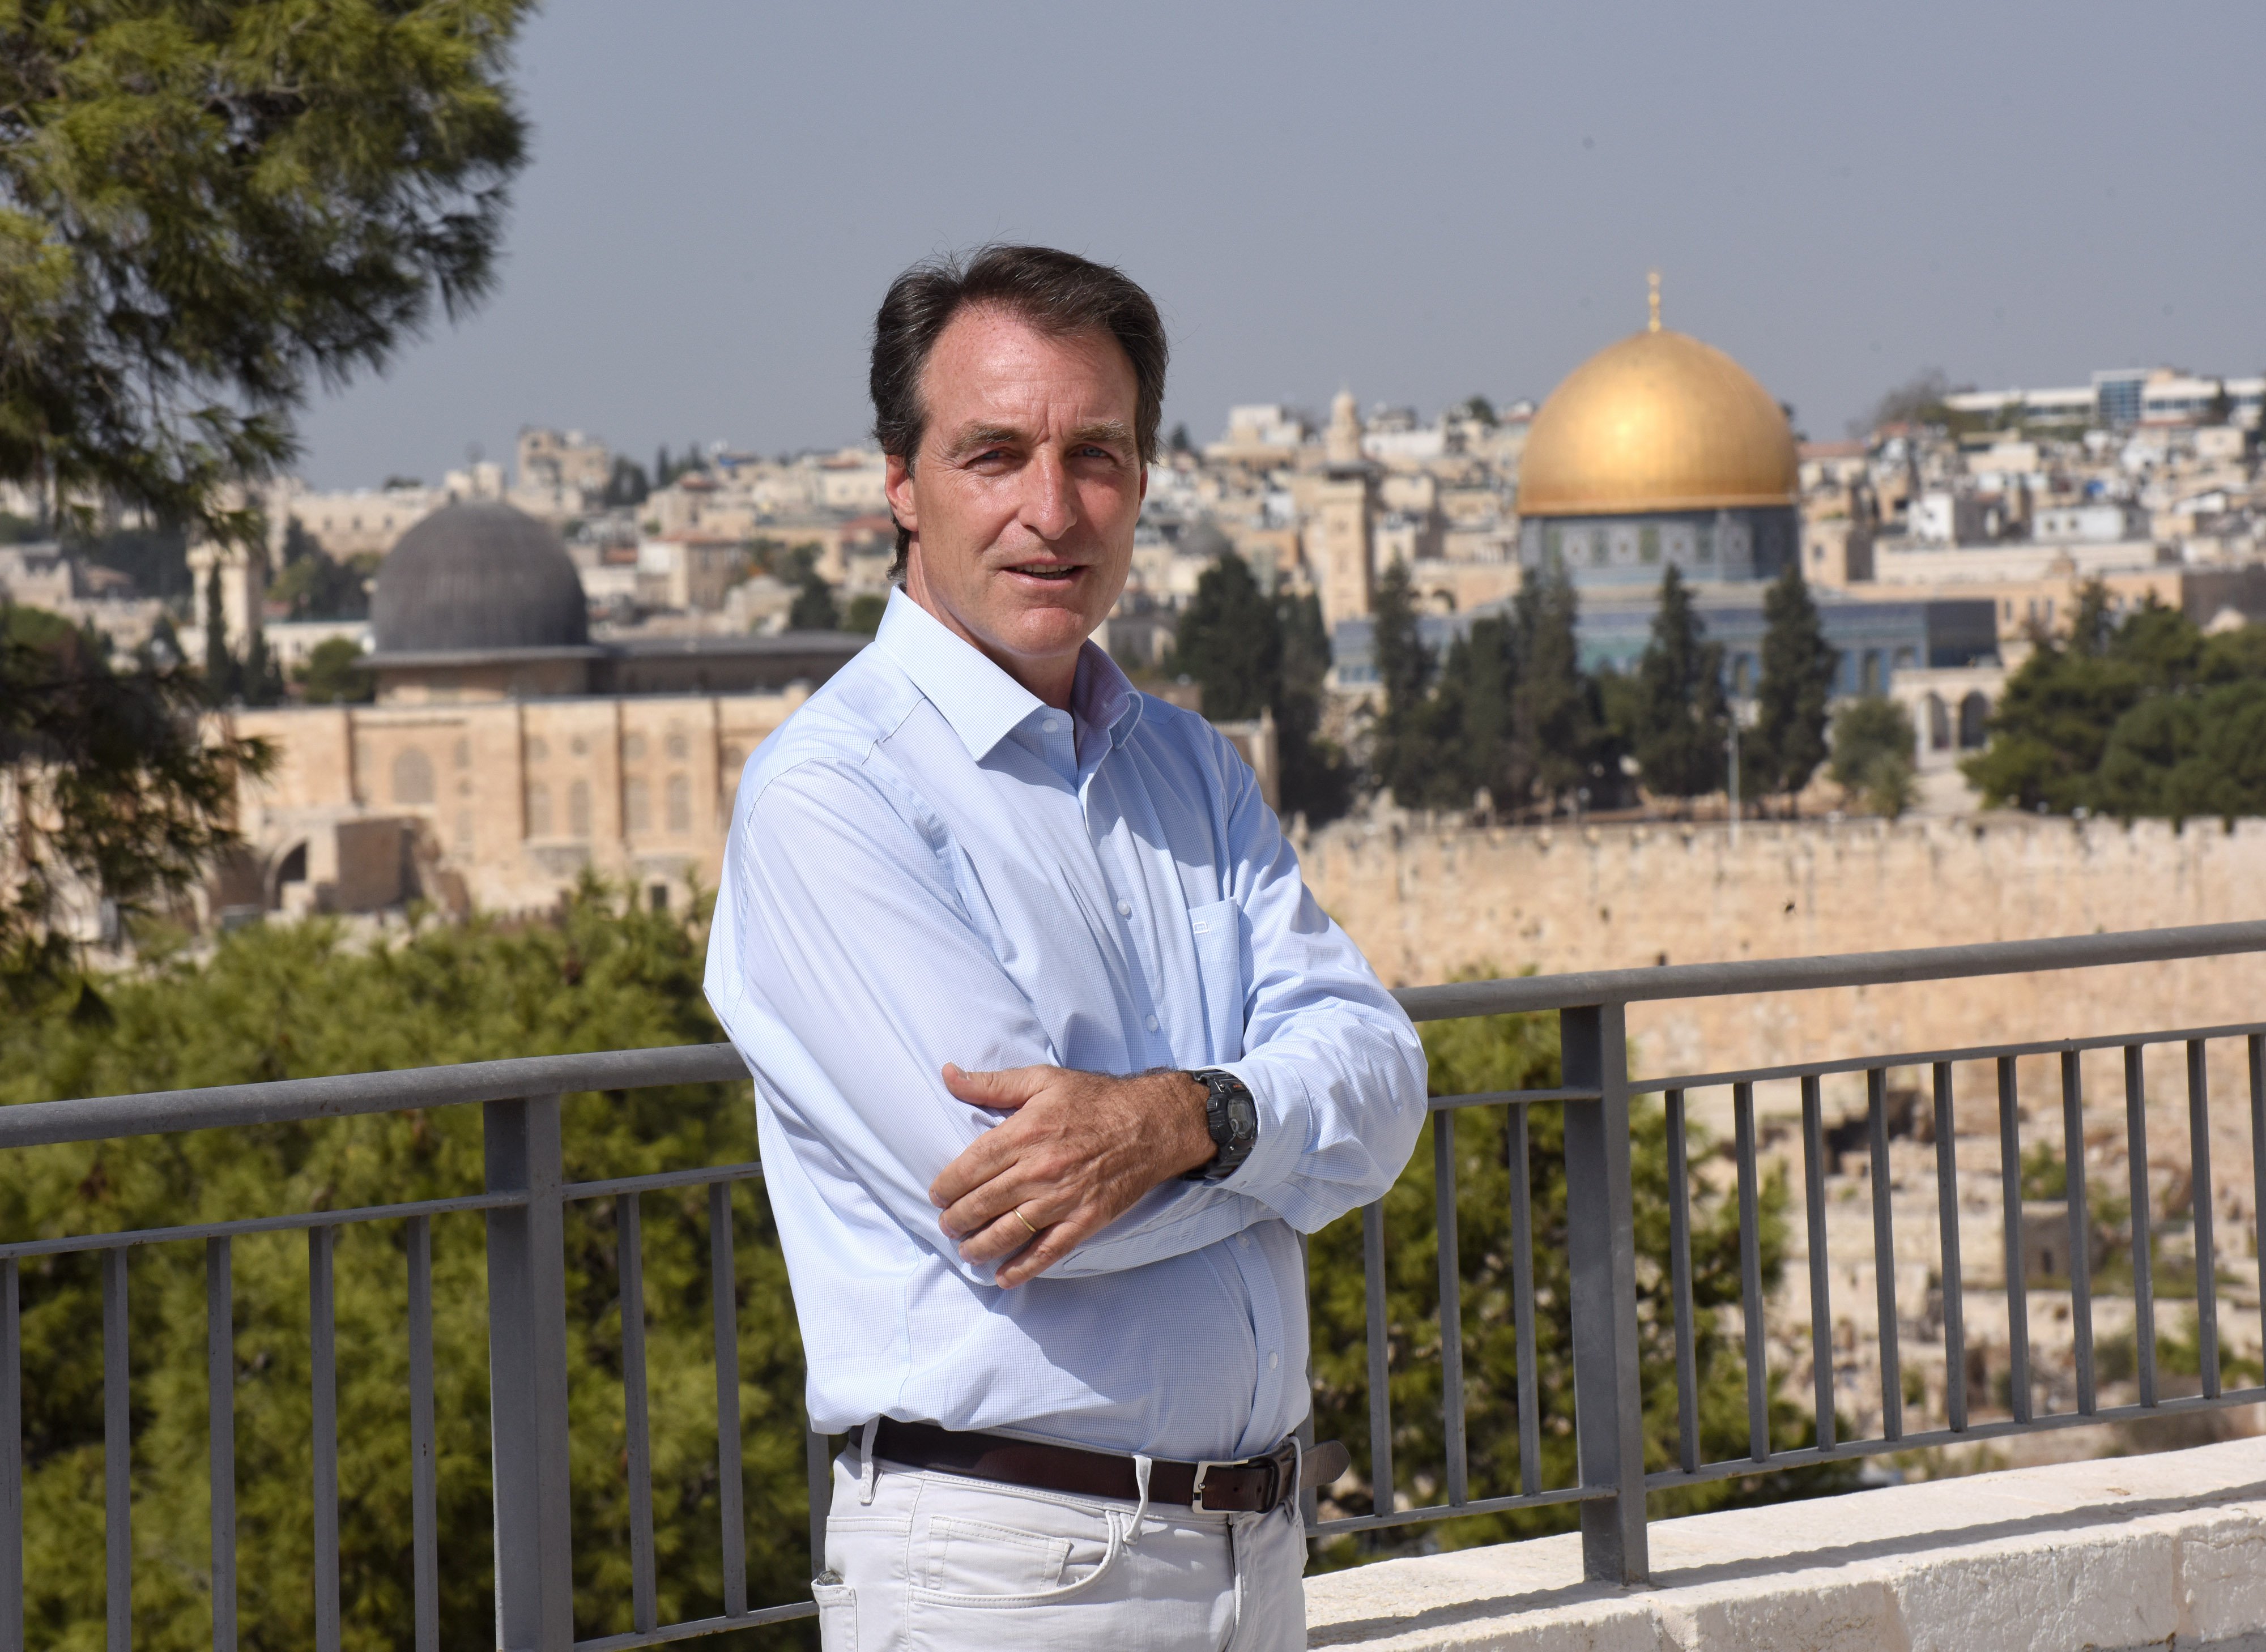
[
  {"x": 1683, "y": 719},
  {"x": 1316, "y": 778},
  {"x": 1230, "y": 641},
  {"x": 1794, "y": 696},
  {"x": 1403, "y": 758},
  {"x": 1556, "y": 727},
  {"x": 220, "y": 663}
]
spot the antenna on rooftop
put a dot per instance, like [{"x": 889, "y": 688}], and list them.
[{"x": 1652, "y": 299}]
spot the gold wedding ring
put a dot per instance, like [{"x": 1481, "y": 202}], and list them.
[{"x": 1026, "y": 1222}]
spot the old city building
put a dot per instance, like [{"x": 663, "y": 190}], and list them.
[{"x": 507, "y": 752}]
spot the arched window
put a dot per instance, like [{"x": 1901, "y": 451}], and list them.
[
  {"x": 1868, "y": 681},
  {"x": 678, "y": 746},
  {"x": 1974, "y": 713},
  {"x": 1938, "y": 723},
  {"x": 293, "y": 867},
  {"x": 637, "y": 804},
  {"x": 412, "y": 776},
  {"x": 679, "y": 795},
  {"x": 578, "y": 810},
  {"x": 538, "y": 810}
]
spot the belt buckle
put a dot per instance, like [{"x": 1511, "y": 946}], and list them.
[
  {"x": 1196, "y": 1492},
  {"x": 1278, "y": 1463}
]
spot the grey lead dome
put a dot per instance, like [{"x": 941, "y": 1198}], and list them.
[{"x": 478, "y": 576}]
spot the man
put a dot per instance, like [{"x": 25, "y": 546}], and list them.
[{"x": 1053, "y": 1054}]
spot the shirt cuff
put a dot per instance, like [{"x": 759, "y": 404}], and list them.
[{"x": 1286, "y": 1123}]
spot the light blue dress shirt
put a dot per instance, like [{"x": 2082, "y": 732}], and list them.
[{"x": 927, "y": 864}]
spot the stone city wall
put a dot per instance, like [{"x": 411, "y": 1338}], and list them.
[{"x": 1427, "y": 903}]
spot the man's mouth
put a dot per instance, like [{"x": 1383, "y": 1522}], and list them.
[{"x": 1053, "y": 572}]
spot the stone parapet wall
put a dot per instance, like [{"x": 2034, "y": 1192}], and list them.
[{"x": 2161, "y": 1551}]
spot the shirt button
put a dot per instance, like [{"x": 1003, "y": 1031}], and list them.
[
  {"x": 1124, "y": 909},
  {"x": 1274, "y": 1361},
  {"x": 1244, "y": 1240},
  {"x": 1153, "y": 1023},
  {"x": 1051, "y": 726}
]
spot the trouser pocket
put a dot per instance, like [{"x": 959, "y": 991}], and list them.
[{"x": 837, "y": 1612}]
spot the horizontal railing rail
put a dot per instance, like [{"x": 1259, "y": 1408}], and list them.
[{"x": 525, "y": 1195}]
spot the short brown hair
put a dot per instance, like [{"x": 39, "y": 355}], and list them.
[{"x": 1056, "y": 292}]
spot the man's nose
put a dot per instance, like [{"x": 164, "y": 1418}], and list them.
[{"x": 1050, "y": 509}]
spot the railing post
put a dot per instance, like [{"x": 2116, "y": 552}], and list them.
[
  {"x": 1601, "y": 1255},
  {"x": 526, "y": 1377}
]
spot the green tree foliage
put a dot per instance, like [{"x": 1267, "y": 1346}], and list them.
[
  {"x": 253, "y": 678},
  {"x": 118, "y": 794},
  {"x": 626, "y": 484},
  {"x": 2143, "y": 717},
  {"x": 157, "y": 559},
  {"x": 1510, "y": 708},
  {"x": 1560, "y": 738},
  {"x": 288, "y": 1003},
  {"x": 1251, "y": 652},
  {"x": 334, "y": 675},
  {"x": 205, "y": 205},
  {"x": 1683, "y": 720},
  {"x": 314, "y": 586},
  {"x": 1919, "y": 400},
  {"x": 813, "y": 608},
  {"x": 1467, "y": 724},
  {"x": 1515, "y": 1052},
  {"x": 1404, "y": 756},
  {"x": 1873, "y": 745},
  {"x": 1229, "y": 642},
  {"x": 1796, "y": 688},
  {"x": 1316, "y": 779},
  {"x": 864, "y": 615}
]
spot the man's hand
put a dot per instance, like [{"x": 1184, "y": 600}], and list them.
[{"x": 1079, "y": 1150}]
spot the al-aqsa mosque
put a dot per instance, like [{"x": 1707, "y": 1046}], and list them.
[{"x": 507, "y": 749}]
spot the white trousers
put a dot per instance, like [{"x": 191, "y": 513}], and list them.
[{"x": 942, "y": 1563}]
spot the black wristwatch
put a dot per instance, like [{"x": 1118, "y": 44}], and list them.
[{"x": 1232, "y": 1117}]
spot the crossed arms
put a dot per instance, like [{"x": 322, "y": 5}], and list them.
[{"x": 942, "y": 1093}]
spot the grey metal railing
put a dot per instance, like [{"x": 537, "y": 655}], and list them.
[{"x": 525, "y": 1197}]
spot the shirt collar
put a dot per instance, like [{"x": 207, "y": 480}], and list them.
[{"x": 982, "y": 702}]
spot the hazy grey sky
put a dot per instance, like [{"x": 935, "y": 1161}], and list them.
[{"x": 1417, "y": 200}]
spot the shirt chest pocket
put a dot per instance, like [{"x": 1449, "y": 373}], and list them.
[{"x": 1217, "y": 931}]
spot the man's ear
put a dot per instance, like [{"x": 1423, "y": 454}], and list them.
[{"x": 897, "y": 488}]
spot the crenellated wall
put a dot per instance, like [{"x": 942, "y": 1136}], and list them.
[{"x": 1427, "y": 903}]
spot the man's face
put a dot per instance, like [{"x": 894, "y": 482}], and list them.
[{"x": 1024, "y": 499}]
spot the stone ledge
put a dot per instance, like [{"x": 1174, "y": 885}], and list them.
[{"x": 2161, "y": 1551}]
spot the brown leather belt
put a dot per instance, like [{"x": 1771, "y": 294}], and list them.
[{"x": 1251, "y": 1485}]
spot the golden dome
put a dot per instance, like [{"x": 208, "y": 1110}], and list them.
[{"x": 1657, "y": 422}]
